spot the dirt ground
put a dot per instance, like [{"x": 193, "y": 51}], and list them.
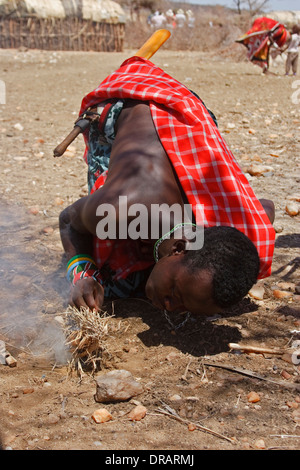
[{"x": 45, "y": 407}]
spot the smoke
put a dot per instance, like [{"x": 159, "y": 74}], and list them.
[{"x": 33, "y": 287}]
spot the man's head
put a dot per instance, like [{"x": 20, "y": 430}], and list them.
[{"x": 208, "y": 280}]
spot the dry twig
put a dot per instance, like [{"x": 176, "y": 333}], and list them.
[{"x": 172, "y": 414}]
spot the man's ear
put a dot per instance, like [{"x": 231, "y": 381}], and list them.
[{"x": 178, "y": 247}]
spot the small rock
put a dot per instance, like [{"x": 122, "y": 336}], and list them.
[
  {"x": 48, "y": 230},
  {"x": 58, "y": 201},
  {"x": 257, "y": 292},
  {"x": 34, "y": 210},
  {"x": 116, "y": 385},
  {"x": 102, "y": 415},
  {"x": 230, "y": 125},
  {"x": 18, "y": 126},
  {"x": 175, "y": 397},
  {"x": 28, "y": 390},
  {"x": 296, "y": 416},
  {"x": 285, "y": 375},
  {"x": 260, "y": 444},
  {"x": 292, "y": 404},
  {"x": 258, "y": 170},
  {"x": 138, "y": 413},
  {"x": 192, "y": 427},
  {"x": 53, "y": 419},
  {"x": 281, "y": 294},
  {"x": 292, "y": 209},
  {"x": 253, "y": 397}
]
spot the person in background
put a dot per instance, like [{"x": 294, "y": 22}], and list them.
[{"x": 292, "y": 51}]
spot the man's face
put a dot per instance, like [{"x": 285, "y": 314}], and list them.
[{"x": 171, "y": 287}]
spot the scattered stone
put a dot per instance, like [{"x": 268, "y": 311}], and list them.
[
  {"x": 296, "y": 416},
  {"x": 34, "y": 210},
  {"x": 48, "y": 230},
  {"x": 292, "y": 209},
  {"x": 192, "y": 427},
  {"x": 253, "y": 397},
  {"x": 281, "y": 294},
  {"x": 53, "y": 419},
  {"x": 28, "y": 390},
  {"x": 230, "y": 125},
  {"x": 58, "y": 201},
  {"x": 292, "y": 404},
  {"x": 102, "y": 415},
  {"x": 260, "y": 444},
  {"x": 257, "y": 292},
  {"x": 116, "y": 385},
  {"x": 285, "y": 375},
  {"x": 259, "y": 170},
  {"x": 138, "y": 413},
  {"x": 175, "y": 397},
  {"x": 18, "y": 126},
  {"x": 10, "y": 360}
]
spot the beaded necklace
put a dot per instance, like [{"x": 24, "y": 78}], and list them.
[
  {"x": 155, "y": 254},
  {"x": 164, "y": 237}
]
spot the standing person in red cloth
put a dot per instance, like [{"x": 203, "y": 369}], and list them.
[
  {"x": 264, "y": 33},
  {"x": 152, "y": 145}
]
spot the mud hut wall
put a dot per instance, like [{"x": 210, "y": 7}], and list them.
[{"x": 70, "y": 34}]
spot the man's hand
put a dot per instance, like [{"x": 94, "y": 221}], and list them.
[{"x": 87, "y": 293}]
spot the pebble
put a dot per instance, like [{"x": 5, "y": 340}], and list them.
[
  {"x": 258, "y": 170},
  {"x": 34, "y": 210},
  {"x": 253, "y": 397},
  {"x": 280, "y": 294},
  {"x": 192, "y": 427},
  {"x": 285, "y": 375},
  {"x": 175, "y": 397},
  {"x": 116, "y": 385},
  {"x": 257, "y": 292},
  {"x": 296, "y": 416},
  {"x": 138, "y": 413},
  {"x": 292, "y": 209},
  {"x": 260, "y": 444},
  {"x": 48, "y": 230},
  {"x": 18, "y": 126},
  {"x": 102, "y": 415},
  {"x": 28, "y": 390},
  {"x": 53, "y": 419}
]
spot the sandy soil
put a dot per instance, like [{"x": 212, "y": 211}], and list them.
[{"x": 261, "y": 123}]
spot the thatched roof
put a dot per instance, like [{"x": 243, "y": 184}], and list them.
[{"x": 96, "y": 10}]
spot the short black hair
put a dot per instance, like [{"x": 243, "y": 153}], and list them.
[{"x": 232, "y": 259}]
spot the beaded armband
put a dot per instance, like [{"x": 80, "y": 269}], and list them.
[{"x": 81, "y": 267}]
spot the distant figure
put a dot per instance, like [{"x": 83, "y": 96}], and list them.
[
  {"x": 190, "y": 19},
  {"x": 293, "y": 51},
  {"x": 170, "y": 19},
  {"x": 158, "y": 20},
  {"x": 180, "y": 18},
  {"x": 263, "y": 34}
]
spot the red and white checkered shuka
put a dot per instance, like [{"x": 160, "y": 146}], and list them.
[{"x": 206, "y": 168}]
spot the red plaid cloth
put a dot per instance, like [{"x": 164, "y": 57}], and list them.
[{"x": 206, "y": 168}]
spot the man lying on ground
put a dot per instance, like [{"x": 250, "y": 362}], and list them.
[{"x": 152, "y": 147}]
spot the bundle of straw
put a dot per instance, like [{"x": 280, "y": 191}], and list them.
[{"x": 86, "y": 333}]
